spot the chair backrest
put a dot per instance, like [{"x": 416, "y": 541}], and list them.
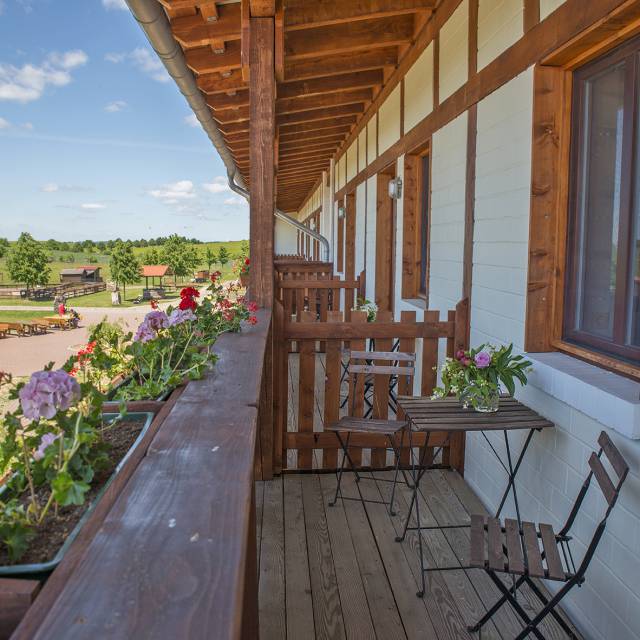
[
  {"x": 610, "y": 489},
  {"x": 363, "y": 363}
]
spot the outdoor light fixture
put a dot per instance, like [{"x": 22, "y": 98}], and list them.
[
  {"x": 312, "y": 224},
  {"x": 341, "y": 212},
  {"x": 395, "y": 188}
]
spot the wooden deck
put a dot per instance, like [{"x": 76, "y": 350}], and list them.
[{"x": 336, "y": 572}]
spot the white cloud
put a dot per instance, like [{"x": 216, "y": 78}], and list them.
[
  {"x": 191, "y": 120},
  {"x": 50, "y": 187},
  {"x": 174, "y": 192},
  {"x": 92, "y": 206},
  {"x": 143, "y": 60},
  {"x": 235, "y": 201},
  {"x": 219, "y": 185},
  {"x": 28, "y": 126},
  {"x": 115, "y": 106},
  {"x": 28, "y": 83},
  {"x": 53, "y": 187},
  {"x": 114, "y": 4},
  {"x": 4, "y": 124}
]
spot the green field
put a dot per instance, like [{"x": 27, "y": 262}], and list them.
[
  {"x": 60, "y": 261},
  {"x": 20, "y": 316}
]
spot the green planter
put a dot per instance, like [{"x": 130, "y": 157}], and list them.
[{"x": 42, "y": 570}]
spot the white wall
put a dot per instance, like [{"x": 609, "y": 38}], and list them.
[
  {"x": 500, "y": 24},
  {"x": 286, "y": 238},
  {"x": 418, "y": 89},
  {"x": 389, "y": 121},
  {"x": 361, "y": 227},
  {"x": 549, "y": 6},
  {"x": 448, "y": 178},
  {"x": 371, "y": 238},
  {"x": 501, "y": 229},
  {"x": 454, "y": 42}
]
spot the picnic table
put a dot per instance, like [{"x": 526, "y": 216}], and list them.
[{"x": 61, "y": 322}]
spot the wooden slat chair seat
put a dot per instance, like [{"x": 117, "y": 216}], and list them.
[
  {"x": 536, "y": 551},
  {"x": 362, "y": 368},
  {"x": 367, "y": 425},
  {"x": 4, "y": 330}
]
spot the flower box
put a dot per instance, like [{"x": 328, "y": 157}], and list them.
[{"x": 41, "y": 570}]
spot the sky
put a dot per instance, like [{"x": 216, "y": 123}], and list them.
[{"x": 96, "y": 141}]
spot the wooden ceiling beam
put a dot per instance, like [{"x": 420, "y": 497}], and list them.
[
  {"x": 227, "y": 116},
  {"x": 193, "y": 31},
  {"x": 345, "y": 38},
  {"x": 336, "y": 64},
  {"x": 302, "y": 14},
  {"x": 262, "y": 8},
  {"x": 209, "y": 11},
  {"x": 307, "y": 103},
  {"x": 303, "y": 169},
  {"x": 234, "y": 127},
  {"x": 320, "y": 114},
  {"x": 342, "y": 82},
  {"x": 203, "y": 60},
  {"x": 333, "y": 132},
  {"x": 225, "y": 101},
  {"x": 213, "y": 83},
  {"x": 306, "y": 143},
  {"x": 320, "y": 125}
]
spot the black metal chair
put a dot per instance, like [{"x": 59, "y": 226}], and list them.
[
  {"x": 500, "y": 547},
  {"x": 402, "y": 364}
]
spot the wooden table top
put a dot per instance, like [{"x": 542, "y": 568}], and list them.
[{"x": 447, "y": 414}]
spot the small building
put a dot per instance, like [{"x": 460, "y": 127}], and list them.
[
  {"x": 80, "y": 275},
  {"x": 154, "y": 271},
  {"x": 201, "y": 276}
]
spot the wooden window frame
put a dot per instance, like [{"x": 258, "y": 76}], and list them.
[
  {"x": 550, "y": 195},
  {"x": 412, "y": 224}
]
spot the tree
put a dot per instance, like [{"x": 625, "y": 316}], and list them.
[
  {"x": 223, "y": 256},
  {"x": 4, "y": 247},
  {"x": 210, "y": 257},
  {"x": 27, "y": 262},
  {"x": 125, "y": 268},
  {"x": 151, "y": 256},
  {"x": 180, "y": 256}
]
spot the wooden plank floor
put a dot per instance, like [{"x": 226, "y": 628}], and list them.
[{"x": 337, "y": 572}]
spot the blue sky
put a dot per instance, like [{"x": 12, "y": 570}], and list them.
[{"x": 95, "y": 140}]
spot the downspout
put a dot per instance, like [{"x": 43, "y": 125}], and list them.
[{"x": 153, "y": 21}]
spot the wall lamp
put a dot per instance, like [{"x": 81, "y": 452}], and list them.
[
  {"x": 341, "y": 212},
  {"x": 395, "y": 188}
]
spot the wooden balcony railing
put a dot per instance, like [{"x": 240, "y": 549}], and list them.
[{"x": 174, "y": 554}]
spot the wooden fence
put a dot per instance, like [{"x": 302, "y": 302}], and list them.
[
  {"x": 70, "y": 290},
  {"x": 311, "y": 387}
]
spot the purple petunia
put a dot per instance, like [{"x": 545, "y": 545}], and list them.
[
  {"x": 482, "y": 360},
  {"x": 178, "y": 316},
  {"x": 46, "y": 441},
  {"x": 48, "y": 392}
]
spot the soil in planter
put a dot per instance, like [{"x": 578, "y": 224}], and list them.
[{"x": 53, "y": 531}]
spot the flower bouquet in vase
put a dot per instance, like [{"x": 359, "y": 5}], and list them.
[{"x": 475, "y": 376}]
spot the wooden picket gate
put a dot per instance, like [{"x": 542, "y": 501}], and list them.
[{"x": 310, "y": 386}]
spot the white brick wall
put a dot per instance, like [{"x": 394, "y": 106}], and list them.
[
  {"x": 371, "y": 238},
  {"x": 448, "y": 176},
  {"x": 501, "y": 230}
]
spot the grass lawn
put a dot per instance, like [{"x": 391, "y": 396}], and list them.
[
  {"x": 100, "y": 299},
  {"x": 20, "y": 316}
]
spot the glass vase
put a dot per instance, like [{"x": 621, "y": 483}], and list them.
[{"x": 482, "y": 398}]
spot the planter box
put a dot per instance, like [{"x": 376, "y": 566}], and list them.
[{"x": 42, "y": 570}]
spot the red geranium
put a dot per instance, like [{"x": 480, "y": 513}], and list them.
[
  {"x": 189, "y": 292},
  {"x": 247, "y": 261},
  {"x": 252, "y": 320},
  {"x": 252, "y": 307},
  {"x": 188, "y": 303}
]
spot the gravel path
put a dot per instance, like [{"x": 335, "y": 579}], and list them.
[{"x": 23, "y": 356}]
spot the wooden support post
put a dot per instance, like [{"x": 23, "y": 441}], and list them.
[{"x": 262, "y": 140}]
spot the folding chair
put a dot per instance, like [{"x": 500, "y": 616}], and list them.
[
  {"x": 403, "y": 364},
  {"x": 500, "y": 547}
]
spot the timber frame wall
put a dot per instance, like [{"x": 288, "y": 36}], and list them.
[{"x": 571, "y": 35}]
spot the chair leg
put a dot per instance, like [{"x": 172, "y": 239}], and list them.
[
  {"x": 345, "y": 456},
  {"x": 532, "y": 626},
  {"x": 490, "y": 613},
  {"x": 558, "y": 618},
  {"x": 396, "y": 453}
]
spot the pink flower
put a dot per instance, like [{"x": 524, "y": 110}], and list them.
[
  {"x": 482, "y": 360},
  {"x": 46, "y": 441},
  {"x": 252, "y": 307},
  {"x": 460, "y": 354},
  {"x": 48, "y": 392},
  {"x": 252, "y": 320}
]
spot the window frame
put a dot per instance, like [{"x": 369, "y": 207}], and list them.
[{"x": 629, "y": 53}]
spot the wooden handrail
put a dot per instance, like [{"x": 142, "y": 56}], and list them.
[
  {"x": 365, "y": 330},
  {"x": 175, "y": 557}
]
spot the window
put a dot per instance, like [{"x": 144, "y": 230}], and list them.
[
  {"x": 602, "y": 295},
  {"x": 425, "y": 194}
]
